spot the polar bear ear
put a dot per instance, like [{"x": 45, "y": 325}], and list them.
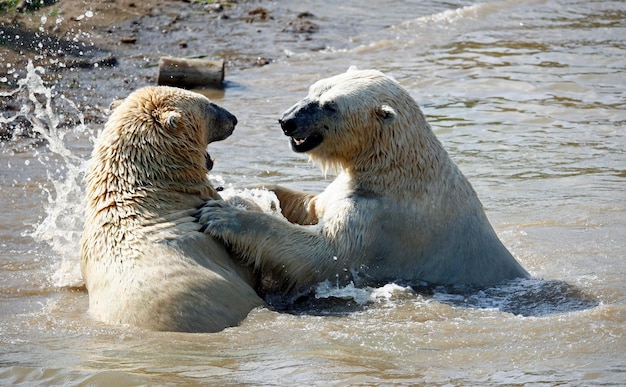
[
  {"x": 386, "y": 113},
  {"x": 115, "y": 104},
  {"x": 351, "y": 69},
  {"x": 168, "y": 119}
]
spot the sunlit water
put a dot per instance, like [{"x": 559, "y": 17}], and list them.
[{"x": 529, "y": 99}]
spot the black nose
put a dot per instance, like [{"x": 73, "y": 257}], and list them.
[
  {"x": 289, "y": 126},
  {"x": 231, "y": 117}
]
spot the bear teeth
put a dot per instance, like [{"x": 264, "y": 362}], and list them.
[{"x": 299, "y": 141}]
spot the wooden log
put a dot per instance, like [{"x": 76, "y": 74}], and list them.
[{"x": 190, "y": 73}]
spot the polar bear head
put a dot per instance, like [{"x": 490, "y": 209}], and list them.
[
  {"x": 177, "y": 113},
  {"x": 360, "y": 116},
  {"x": 157, "y": 137}
]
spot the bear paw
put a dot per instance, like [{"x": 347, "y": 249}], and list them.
[{"x": 218, "y": 218}]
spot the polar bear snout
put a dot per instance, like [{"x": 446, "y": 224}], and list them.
[
  {"x": 223, "y": 125},
  {"x": 289, "y": 120},
  {"x": 304, "y": 124},
  {"x": 225, "y": 115},
  {"x": 301, "y": 118}
]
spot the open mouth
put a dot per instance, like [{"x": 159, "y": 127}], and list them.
[{"x": 306, "y": 144}]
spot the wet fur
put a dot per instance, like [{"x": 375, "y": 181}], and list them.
[
  {"x": 400, "y": 209},
  {"x": 143, "y": 259}
]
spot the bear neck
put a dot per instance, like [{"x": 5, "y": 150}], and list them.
[
  {"x": 405, "y": 167},
  {"x": 127, "y": 189}
]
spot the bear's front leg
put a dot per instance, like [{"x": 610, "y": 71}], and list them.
[{"x": 269, "y": 242}]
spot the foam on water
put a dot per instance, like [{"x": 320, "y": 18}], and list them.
[
  {"x": 266, "y": 200},
  {"x": 525, "y": 297},
  {"x": 363, "y": 295}
]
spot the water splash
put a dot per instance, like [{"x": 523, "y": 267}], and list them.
[
  {"x": 523, "y": 297},
  {"x": 47, "y": 115},
  {"x": 364, "y": 295},
  {"x": 264, "y": 199},
  {"x": 41, "y": 115}
]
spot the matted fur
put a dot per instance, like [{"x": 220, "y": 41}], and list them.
[
  {"x": 143, "y": 259},
  {"x": 399, "y": 210}
]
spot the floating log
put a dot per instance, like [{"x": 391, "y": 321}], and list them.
[{"x": 190, "y": 73}]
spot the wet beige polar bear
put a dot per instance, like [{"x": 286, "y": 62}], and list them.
[
  {"x": 399, "y": 210},
  {"x": 143, "y": 259}
]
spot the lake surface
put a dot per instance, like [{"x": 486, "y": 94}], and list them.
[{"x": 529, "y": 99}]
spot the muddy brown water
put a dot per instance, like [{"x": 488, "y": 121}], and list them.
[{"x": 528, "y": 98}]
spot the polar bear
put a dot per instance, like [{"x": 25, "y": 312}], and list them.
[
  {"x": 399, "y": 210},
  {"x": 143, "y": 259}
]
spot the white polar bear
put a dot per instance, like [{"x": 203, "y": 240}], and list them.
[
  {"x": 399, "y": 210},
  {"x": 143, "y": 259}
]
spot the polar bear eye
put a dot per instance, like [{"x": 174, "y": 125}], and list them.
[{"x": 330, "y": 106}]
